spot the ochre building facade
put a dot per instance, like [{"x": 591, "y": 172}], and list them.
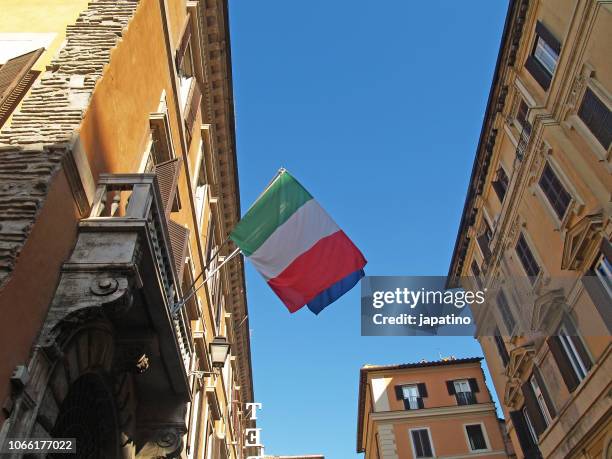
[
  {"x": 536, "y": 228},
  {"x": 118, "y": 187},
  {"x": 427, "y": 409}
]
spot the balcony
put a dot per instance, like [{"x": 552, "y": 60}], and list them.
[{"x": 465, "y": 398}]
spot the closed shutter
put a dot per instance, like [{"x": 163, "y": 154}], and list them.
[
  {"x": 473, "y": 385},
  {"x": 501, "y": 347},
  {"x": 179, "y": 237},
  {"x": 16, "y": 78},
  {"x": 167, "y": 178},
  {"x": 422, "y": 389},
  {"x": 450, "y": 386},
  {"x": 530, "y": 449},
  {"x": 533, "y": 409},
  {"x": 545, "y": 394}
]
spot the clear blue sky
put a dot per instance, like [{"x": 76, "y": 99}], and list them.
[{"x": 376, "y": 108}]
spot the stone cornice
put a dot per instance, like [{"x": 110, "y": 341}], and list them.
[{"x": 428, "y": 413}]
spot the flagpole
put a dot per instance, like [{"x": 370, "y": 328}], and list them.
[{"x": 180, "y": 304}]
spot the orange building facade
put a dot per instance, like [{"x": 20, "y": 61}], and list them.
[
  {"x": 118, "y": 188},
  {"x": 427, "y": 409}
]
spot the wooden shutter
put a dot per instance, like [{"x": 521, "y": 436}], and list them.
[
  {"x": 483, "y": 243},
  {"x": 422, "y": 390},
  {"x": 420, "y": 402},
  {"x": 16, "y": 78},
  {"x": 565, "y": 367},
  {"x": 450, "y": 385},
  {"x": 179, "y": 237},
  {"x": 167, "y": 178},
  {"x": 182, "y": 48},
  {"x": 544, "y": 390},
  {"x": 399, "y": 393},
  {"x": 530, "y": 449},
  {"x": 501, "y": 347},
  {"x": 473, "y": 385},
  {"x": 533, "y": 409},
  {"x": 193, "y": 104}
]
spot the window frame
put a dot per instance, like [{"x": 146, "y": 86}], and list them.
[
  {"x": 530, "y": 428},
  {"x": 485, "y": 437},
  {"x": 508, "y": 309},
  {"x": 559, "y": 219},
  {"x": 606, "y": 284},
  {"x": 429, "y": 438},
  {"x": 415, "y": 388}
]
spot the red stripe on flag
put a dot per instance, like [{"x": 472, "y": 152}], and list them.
[{"x": 325, "y": 263}]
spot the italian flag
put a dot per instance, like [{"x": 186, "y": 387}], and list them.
[{"x": 296, "y": 246}]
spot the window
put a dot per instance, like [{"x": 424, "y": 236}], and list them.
[
  {"x": 464, "y": 390},
  {"x": 521, "y": 114},
  {"x": 500, "y": 184},
  {"x": 597, "y": 117},
  {"x": 603, "y": 271},
  {"x": 421, "y": 443},
  {"x": 506, "y": 314},
  {"x": 540, "y": 399},
  {"x": 184, "y": 63},
  {"x": 476, "y": 437},
  {"x": 571, "y": 350},
  {"x": 484, "y": 240},
  {"x": 545, "y": 55},
  {"x": 411, "y": 396},
  {"x": 553, "y": 189},
  {"x": 526, "y": 258},
  {"x": 476, "y": 273},
  {"x": 501, "y": 347},
  {"x": 543, "y": 59}
]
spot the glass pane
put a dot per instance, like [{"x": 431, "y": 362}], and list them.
[{"x": 546, "y": 56}]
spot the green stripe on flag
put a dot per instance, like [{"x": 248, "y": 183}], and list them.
[{"x": 270, "y": 211}]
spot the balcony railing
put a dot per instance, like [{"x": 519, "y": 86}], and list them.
[
  {"x": 133, "y": 202},
  {"x": 465, "y": 398}
]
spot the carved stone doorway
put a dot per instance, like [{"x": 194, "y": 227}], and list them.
[{"x": 88, "y": 414}]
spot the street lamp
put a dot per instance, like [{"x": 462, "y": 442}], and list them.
[{"x": 219, "y": 350}]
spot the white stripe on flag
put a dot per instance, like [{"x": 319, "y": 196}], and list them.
[{"x": 298, "y": 234}]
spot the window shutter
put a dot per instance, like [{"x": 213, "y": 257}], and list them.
[
  {"x": 420, "y": 402},
  {"x": 16, "y": 77},
  {"x": 533, "y": 409},
  {"x": 501, "y": 347},
  {"x": 530, "y": 450},
  {"x": 180, "y": 51},
  {"x": 179, "y": 236},
  {"x": 399, "y": 393},
  {"x": 422, "y": 389},
  {"x": 167, "y": 179},
  {"x": 600, "y": 297},
  {"x": 450, "y": 385},
  {"x": 195, "y": 98},
  {"x": 473, "y": 385},
  {"x": 545, "y": 394},
  {"x": 565, "y": 367}
]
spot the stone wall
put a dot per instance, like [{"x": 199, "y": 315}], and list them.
[{"x": 41, "y": 131}]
